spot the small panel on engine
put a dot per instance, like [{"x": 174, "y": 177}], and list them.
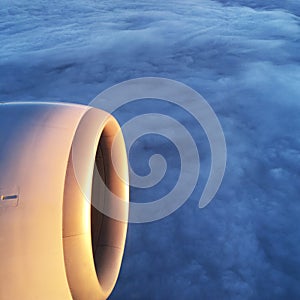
[{"x": 9, "y": 197}]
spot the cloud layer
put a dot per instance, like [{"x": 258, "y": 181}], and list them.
[{"x": 243, "y": 57}]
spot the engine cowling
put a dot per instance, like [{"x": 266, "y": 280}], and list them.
[{"x": 54, "y": 242}]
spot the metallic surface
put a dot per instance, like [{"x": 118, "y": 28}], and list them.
[{"x": 53, "y": 243}]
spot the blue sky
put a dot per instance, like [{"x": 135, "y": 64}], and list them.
[{"x": 243, "y": 57}]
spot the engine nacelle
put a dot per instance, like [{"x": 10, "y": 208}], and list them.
[{"x": 53, "y": 243}]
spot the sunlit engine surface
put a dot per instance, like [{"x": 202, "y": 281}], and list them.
[{"x": 57, "y": 171}]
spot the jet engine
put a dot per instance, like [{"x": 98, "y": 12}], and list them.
[{"x": 56, "y": 173}]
